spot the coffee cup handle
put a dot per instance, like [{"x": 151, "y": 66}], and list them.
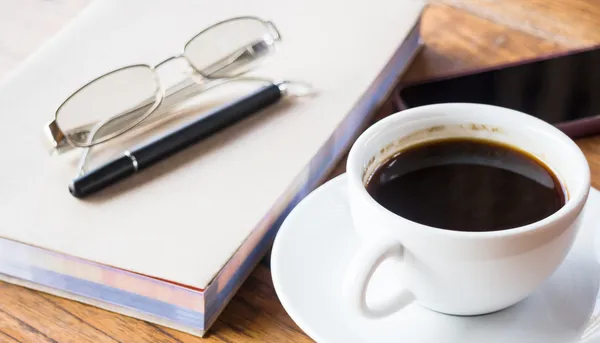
[{"x": 359, "y": 272}]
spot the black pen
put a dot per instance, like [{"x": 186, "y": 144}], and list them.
[{"x": 143, "y": 157}]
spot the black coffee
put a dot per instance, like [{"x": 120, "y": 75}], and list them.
[{"x": 467, "y": 185}]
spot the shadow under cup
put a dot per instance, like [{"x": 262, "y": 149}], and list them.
[{"x": 458, "y": 272}]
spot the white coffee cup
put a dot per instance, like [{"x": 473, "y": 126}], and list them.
[{"x": 456, "y": 272}]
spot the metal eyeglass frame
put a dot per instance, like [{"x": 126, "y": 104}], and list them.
[{"x": 199, "y": 81}]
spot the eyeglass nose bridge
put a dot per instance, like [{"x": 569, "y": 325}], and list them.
[
  {"x": 170, "y": 59},
  {"x": 195, "y": 74},
  {"x": 168, "y": 89}
]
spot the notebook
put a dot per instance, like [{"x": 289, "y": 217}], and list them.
[{"x": 173, "y": 245}]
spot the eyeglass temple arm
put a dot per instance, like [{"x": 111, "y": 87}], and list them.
[{"x": 249, "y": 52}]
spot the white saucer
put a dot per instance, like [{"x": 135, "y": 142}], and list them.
[{"x": 316, "y": 242}]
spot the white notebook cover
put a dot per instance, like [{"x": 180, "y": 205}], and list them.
[{"x": 182, "y": 224}]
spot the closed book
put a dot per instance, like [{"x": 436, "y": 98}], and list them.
[{"x": 172, "y": 245}]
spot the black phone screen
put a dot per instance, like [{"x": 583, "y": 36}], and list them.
[{"x": 556, "y": 89}]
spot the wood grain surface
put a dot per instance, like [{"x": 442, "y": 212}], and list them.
[{"x": 459, "y": 35}]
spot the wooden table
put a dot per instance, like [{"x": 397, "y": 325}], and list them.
[{"x": 459, "y": 35}]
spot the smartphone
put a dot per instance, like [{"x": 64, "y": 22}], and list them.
[{"x": 563, "y": 90}]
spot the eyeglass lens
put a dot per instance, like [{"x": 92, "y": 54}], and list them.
[
  {"x": 131, "y": 90},
  {"x": 230, "y": 48}
]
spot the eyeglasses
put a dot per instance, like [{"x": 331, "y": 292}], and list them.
[{"x": 122, "y": 99}]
